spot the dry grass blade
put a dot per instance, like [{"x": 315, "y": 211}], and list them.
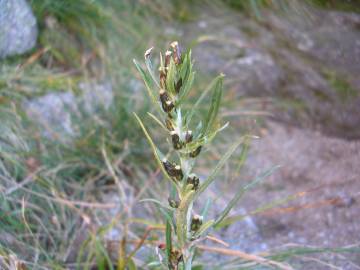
[{"x": 246, "y": 256}]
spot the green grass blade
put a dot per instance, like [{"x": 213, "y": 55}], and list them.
[
  {"x": 240, "y": 193},
  {"x": 131, "y": 264},
  {"x": 103, "y": 258}
]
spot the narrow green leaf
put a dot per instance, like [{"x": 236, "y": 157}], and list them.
[
  {"x": 230, "y": 220},
  {"x": 154, "y": 264},
  {"x": 157, "y": 121},
  {"x": 102, "y": 256},
  {"x": 187, "y": 76},
  {"x": 243, "y": 154},
  {"x": 241, "y": 192},
  {"x": 168, "y": 240},
  {"x": 214, "y": 106},
  {"x": 201, "y": 98},
  {"x": 203, "y": 140},
  {"x": 205, "y": 210},
  {"x": 157, "y": 153},
  {"x": 150, "y": 68},
  {"x": 163, "y": 205},
  {"x": 202, "y": 230},
  {"x": 168, "y": 216},
  {"x": 171, "y": 78},
  {"x": 186, "y": 66},
  {"x": 186, "y": 88},
  {"x": 220, "y": 164},
  {"x": 131, "y": 264},
  {"x": 147, "y": 82},
  {"x": 255, "y": 8}
]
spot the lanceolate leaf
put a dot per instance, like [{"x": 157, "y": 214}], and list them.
[
  {"x": 171, "y": 78},
  {"x": 205, "y": 210},
  {"x": 203, "y": 140},
  {"x": 168, "y": 216},
  {"x": 218, "y": 167},
  {"x": 187, "y": 76},
  {"x": 186, "y": 88},
  {"x": 157, "y": 121},
  {"x": 168, "y": 240},
  {"x": 207, "y": 225},
  {"x": 157, "y": 202},
  {"x": 214, "y": 106},
  {"x": 241, "y": 192},
  {"x": 157, "y": 153},
  {"x": 201, "y": 98},
  {"x": 151, "y": 70},
  {"x": 230, "y": 220},
  {"x": 147, "y": 81}
]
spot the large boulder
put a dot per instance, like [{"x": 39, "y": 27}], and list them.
[{"x": 18, "y": 29}]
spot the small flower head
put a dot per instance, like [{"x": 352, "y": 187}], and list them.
[
  {"x": 177, "y": 53},
  {"x": 172, "y": 169},
  {"x": 167, "y": 58},
  {"x": 193, "y": 180},
  {"x": 166, "y": 102},
  {"x": 177, "y": 144},
  {"x": 173, "y": 203},
  {"x": 196, "y": 222},
  {"x": 196, "y": 152},
  {"x": 188, "y": 136}
]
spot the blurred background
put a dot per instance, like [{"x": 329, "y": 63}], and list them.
[{"x": 68, "y": 138}]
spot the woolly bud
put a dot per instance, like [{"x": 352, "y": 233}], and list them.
[
  {"x": 176, "y": 140},
  {"x": 193, "y": 180},
  {"x": 173, "y": 203},
  {"x": 196, "y": 222},
  {"x": 177, "y": 54},
  {"x": 166, "y": 103},
  {"x": 196, "y": 152},
  {"x": 172, "y": 170},
  {"x": 188, "y": 136},
  {"x": 179, "y": 174},
  {"x": 167, "y": 58},
  {"x": 148, "y": 52}
]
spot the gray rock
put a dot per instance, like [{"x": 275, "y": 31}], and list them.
[
  {"x": 56, "y": 111},
  {"x": 18, "y": 29},
  {"x": 307, "y": 61}
]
